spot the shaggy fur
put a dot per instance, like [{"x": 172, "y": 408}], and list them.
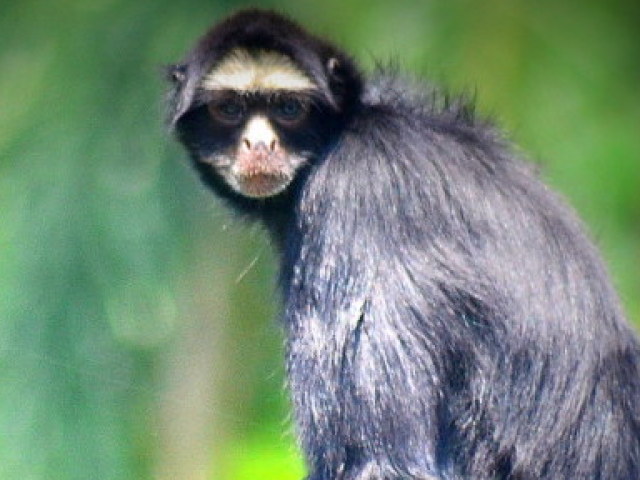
[{"x": 445, "y": 315}]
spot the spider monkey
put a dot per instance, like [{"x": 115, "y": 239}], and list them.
[{"x": 445, "y": 315}]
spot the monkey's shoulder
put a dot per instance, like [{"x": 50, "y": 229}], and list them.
[
  {"x": 416, "y": 127},
  {"x": 419, "y": 100},
  {"x": 408, "y": 113}
]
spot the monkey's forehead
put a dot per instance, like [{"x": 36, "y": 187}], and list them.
[{"x": 256, "y": 70}]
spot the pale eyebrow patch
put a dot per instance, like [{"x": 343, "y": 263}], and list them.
[{"x": 243, "y": 70}]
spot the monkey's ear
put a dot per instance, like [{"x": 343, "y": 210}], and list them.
[
  {"x": 175, "y": 74},
  {"x": 181, "y": 93},
  {"x": 332, "y": 65},
  {"x": 335, "y": 69},
  {"x": 344, "y": 80}
]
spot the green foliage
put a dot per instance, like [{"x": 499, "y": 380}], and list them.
[
  {"x": 135, "y": 315},
  {"x": 263, "y": 456}
]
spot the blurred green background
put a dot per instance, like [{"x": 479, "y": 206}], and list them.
[{"x": 137, "y": 332}]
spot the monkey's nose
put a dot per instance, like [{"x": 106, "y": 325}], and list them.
[
  {"x": 259, "y": 135},
  {"x": 260, "y": 145}
]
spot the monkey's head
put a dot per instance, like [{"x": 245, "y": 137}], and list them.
[{"x": 257, "y": 100}]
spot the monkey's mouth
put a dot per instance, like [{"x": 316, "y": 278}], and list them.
[
  {"x": 260, "y": 175},
  {"x": 257, "y": 176},
  {"x": 261, "y": 184}
]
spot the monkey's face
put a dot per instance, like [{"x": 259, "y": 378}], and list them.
[
  {"x": 256, "y": 122},
  {"x": 257, "y": 155}
]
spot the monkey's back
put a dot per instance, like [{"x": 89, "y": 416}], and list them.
[{"x": 431, "y": 274}]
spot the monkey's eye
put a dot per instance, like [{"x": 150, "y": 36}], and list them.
[
  {"x": 289, "y": 110},
  {"x": 228, "y": 110}
]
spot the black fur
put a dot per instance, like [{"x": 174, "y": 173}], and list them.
[{"x": 445, "y": 315}]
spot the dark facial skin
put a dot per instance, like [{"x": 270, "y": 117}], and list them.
[{"x": 265, "y": 138}]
